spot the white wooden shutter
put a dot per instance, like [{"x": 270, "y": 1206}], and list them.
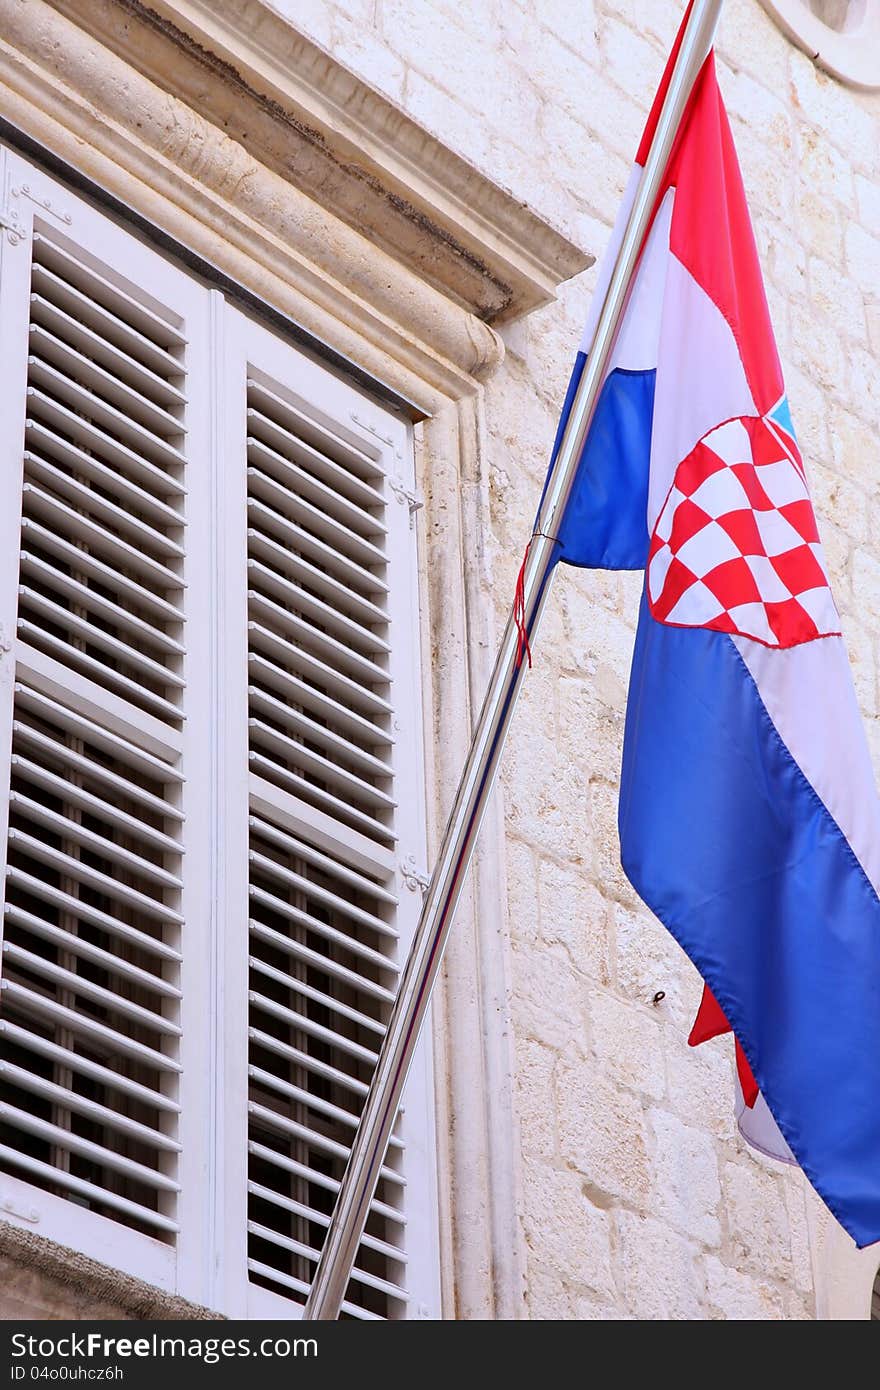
[
  {"x": 333, "y": 753},
  {"x": 209, "y": 717},
  {"x": 94, "y": 336}
]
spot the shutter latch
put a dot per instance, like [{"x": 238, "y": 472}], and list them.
[
  {"x": 413, "y": 500},
  {"x": 13, "y": 227},
  {"x": 412, "y": 875}
]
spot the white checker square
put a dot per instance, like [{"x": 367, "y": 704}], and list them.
[
  {"x": 696, "y": 607},
  {"x": 721, "y": 493},
  {"x": 707, "y": 548},
  {"x": 664, "y": 521},
  {"x": 770, "y": 586},
  {"x": 751, "y": 621},
  {"x": 820, "y": 606},
  {"x": 657, "y": 571},
  {"x": 731, "y": 442},
  {"x": 777, "y": 534},
  {"x": 781, "y": 482}
]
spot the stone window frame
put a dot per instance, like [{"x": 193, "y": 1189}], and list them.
[{"x": 852, "y": 56}]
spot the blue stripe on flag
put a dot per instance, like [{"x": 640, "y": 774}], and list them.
[
  {"x": 605, "y": 523},
  {"x": 727, "y": 842}
]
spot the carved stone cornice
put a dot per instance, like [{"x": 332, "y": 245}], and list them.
[{"x": 305, "y": 116}]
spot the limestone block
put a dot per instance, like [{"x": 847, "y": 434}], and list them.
[
  {"x": 700, "y": 1083},
  {"x": 575, "y": 915},
  {"x": 564, "y": 1231},
  {"x": 602, "y": 1132},
  {"x": 548, "y": 997},
  {"x": 686, "y": 1186},
  {"x": 660, "y": 1270},
  {"x": 757, "y": 1219},
  {"x": 627, "y": 1043},
  {"x": 734, "y": 1295},
  {"x": 536, "y": 1099},
  {"x": 648, "y": 959}
]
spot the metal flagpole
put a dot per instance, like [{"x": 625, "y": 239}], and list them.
[{"x": 371, "y": 1140}]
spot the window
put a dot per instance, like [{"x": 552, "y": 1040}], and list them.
[{"x": 210, "y": 710}]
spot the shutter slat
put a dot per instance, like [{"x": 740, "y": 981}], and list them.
[
  {"x": 322, "y": 614},
  {"x": 100, "y": 347},
  {"x": 318, "y": 893},
  {"x": 298, "y": 1248},
  {"x": 70, "y": 981},
  {"x": 289, "y": 1282},
  {"x": 323, "y": 1180},
  {"x": 97, "y": 671},
  {"x": 335, "y": 563},
  {"x": 304, "y": 1024},
  {"x": 30, "y": 1002},
  {"x": 340, "y": 539},
  {"x": 47, "y": 450},
  {"x": 85, "y": 912},
  {"x": 341, "y": 597},
  {"x": 96, "y": 605},
  {"x": 273, "y": 1120},
  {"x": 80, "y": 272},
  {"x": 99, "y": 1114},
  {"x": 124, "y": 395},
  {"x": 309, "y": 760},
  {"x": 57, "y": 1177},
  {"x": 334, "y": 1007},
  {"x": 301, "y": 725},
  {"x": 65, "y": 1139},
  {"x": 73, "y": 868},
  {"x": 78, "y": 796},
  {"x": 106, "y": 513},
  {"x": 307, "y": 1062},
  {"x": 84, "y": 402},
  {"x": 301, "y": 633},
  {"x": 297, "y": 692},
  {"x": 73, "y": 1061},
  {"x": 297, "y": 951},
  {"x": 114, "y": 745},
  {"x": 300, "y": 785},
  {"x": 74, "y": 833},
  {"x": 308, "y": 665},
  {"x": 332, "y": 867},
  {"x": 103, "y": 777},
  {"x": 352, "y": 457},
  {"x": 153, "y": 579},
  {"x": 368, "y": 1242},
  {"x": 309, "y": 484},
  {"x": 310, "y": 1101},
  {"x": 43, "y": 408},
  {"x": 97, "y": 637},
  {"x": 86, "y": 950},
  {"x": 322, "y": 929}
]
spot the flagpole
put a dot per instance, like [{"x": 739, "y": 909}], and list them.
[{"x": 407, "y": 1016}]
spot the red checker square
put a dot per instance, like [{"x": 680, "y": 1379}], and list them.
[
  {"x": 747, "y": 476},
  {"x": 733, "y": 583},
  {"x": 799, "y": 570},
  {"x": 687, "y": 521},
  {"x": 678, "y": 579},
  {"x": 790, "y": 623},
  {"x": 742, "y": 528},
  {"x": 723, "y": 623},
  {"x": 766, "y": 447},
  {"x": 801, "y": 516},
  {"x": 699, "y": 465}
]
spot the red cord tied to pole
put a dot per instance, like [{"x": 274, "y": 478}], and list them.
[{"x": 519, "y": 612}]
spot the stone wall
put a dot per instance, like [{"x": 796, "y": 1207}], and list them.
[{"x": 638, "y": 1199}]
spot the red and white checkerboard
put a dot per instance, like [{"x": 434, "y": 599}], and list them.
[{"x": 736, "y": 548}]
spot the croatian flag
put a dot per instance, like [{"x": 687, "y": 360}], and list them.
[{"x": 749, "y": 819}]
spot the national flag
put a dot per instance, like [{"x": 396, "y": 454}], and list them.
[{"x": 749, "y": 819}]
